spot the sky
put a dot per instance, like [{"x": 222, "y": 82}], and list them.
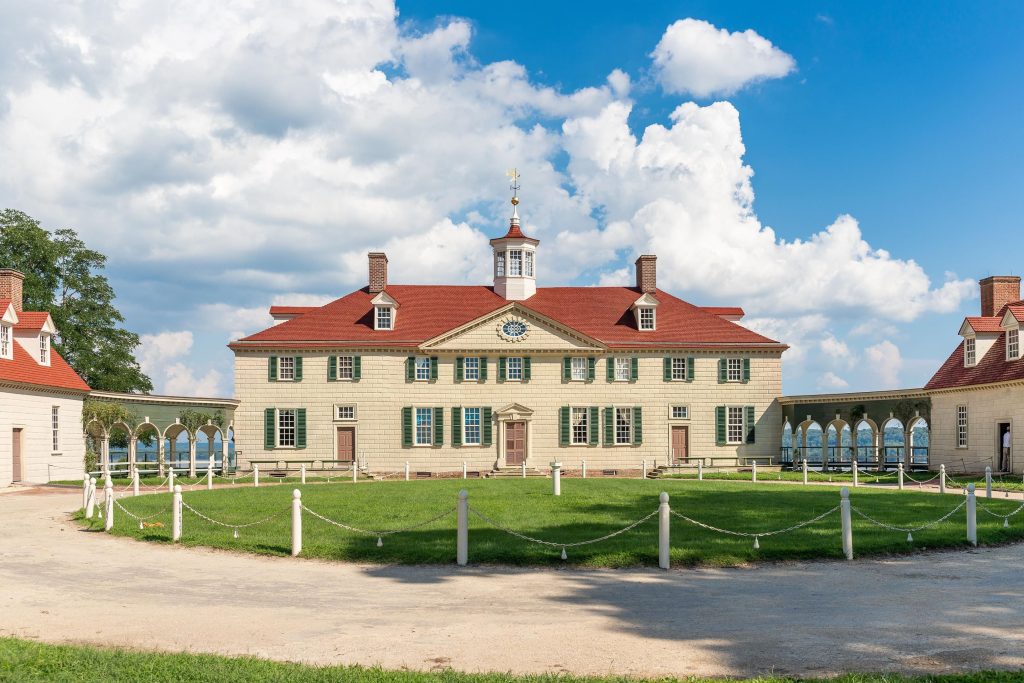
[{"x": 846, "y": 172}]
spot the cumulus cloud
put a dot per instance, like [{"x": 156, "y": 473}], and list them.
[
  {"x": 695, "y": 57},
  {"x": 160, "y": 354},
  {"x": 830, "y": 381},
  {"x": 884, "y": 361}
]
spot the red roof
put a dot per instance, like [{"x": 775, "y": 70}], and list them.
[
  {"x": 24, "y": 369},
  {"x": 993, "y": 367},
  {"x": 291, "y": 310},
  {"x": 724, "y": 310},
  {"x": 31, "y": 320},
  {"x": 427, "y": 311},
  {"x": 980, "y": 324},
  {"x": 1017, "y": 309}
]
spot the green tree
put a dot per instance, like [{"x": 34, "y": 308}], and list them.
[{"x": 65, "y": 277}]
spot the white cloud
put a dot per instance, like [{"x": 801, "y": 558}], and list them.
[
  {"x": 695, "y": 57},
  {"x": 182, "y": 381},
  {"x": 155, "y": 355},
  {"x": 836, "y": 350},
  {"x": 156, "y": 349},
  {"x": 884, "y": 362},
  {"x": 832, "y": 382}
]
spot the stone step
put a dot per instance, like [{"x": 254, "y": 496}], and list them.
[{"x": 514, "y": 473}]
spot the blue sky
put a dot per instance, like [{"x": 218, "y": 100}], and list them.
[{"x": 225, "y": 161}]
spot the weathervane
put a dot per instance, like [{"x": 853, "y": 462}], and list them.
[{"x": 514, "y": 175}]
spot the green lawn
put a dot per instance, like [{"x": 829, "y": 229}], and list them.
[
  {"x": 586, "y": 509},
  {"x": 30, "y": 662}
]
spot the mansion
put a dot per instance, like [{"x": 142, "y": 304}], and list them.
[{"x": 507, "y": 374}]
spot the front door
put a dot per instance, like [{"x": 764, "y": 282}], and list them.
[
  {"x": 346, "y": 444},
  {"x": 1003, "y": 452},
  {"x": 17, "y": 473},
  {"x": 515, "y": 443},
  {"x": 680, "y": 435}
]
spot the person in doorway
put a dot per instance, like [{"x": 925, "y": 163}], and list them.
[{"x": 1004, "y": 466}]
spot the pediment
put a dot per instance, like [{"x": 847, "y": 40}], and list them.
[
  {"x": 384, "y": 299},
  {"x": 1009, "y": 321},
  {"x": 646, "y": 300},
  {"x": 514, "y": 411},
  {"x": 9, "y": 315},
  {"x": 513, "y": 328}
]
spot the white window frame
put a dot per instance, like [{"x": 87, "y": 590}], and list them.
[
  {"x": 499, "y": 264},
  {"x": 348, "y": 408},
  {"x": 528, "y": 263},
  {"x": 620, "y": 363},
  {"x": 678, "y": 369},
  {"x": 961, "y": 426},
  {"x": 55, "y": 426},
  {"x": 735, "y": 433},
  {"x": 579, "y": 369},
  {"x": 642, "y": 314},
  {"x": 280, "y": 429},
  {"x": 734, "y": 370},
  {"x": 384, "y": 318},
  {"x": 685, "y": 412},
  {"x": 428, "y": 424},
  {"x": 1013, "y": 344},
  {"x": 345, "y": 367},
  {"x": 290, "y": 369},
  {"x": 471, "y": 373},
  {"x": 970, "y": 352},
  {"x": 422, "y": 363},
  {"x": 518, "y": 367},
  {"x": 479, "y": 427},
  {"x": 44, "y": 349},
  {"x": 579, "y": 438},
  {"x": 623, "y": 432},
  {"x": 6, "y": 350},
  {"x": 515, "y": 262}
]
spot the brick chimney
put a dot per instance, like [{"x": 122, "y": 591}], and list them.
[
  {"x": 997, "y": 291},
  {"x": 378, "y": 271},
  {"x": 10, "y": 287},
  {"x": 647, "y": 273}
]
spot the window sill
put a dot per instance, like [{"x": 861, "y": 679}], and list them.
[
  {"x": 346, "y": 419},
  {"x": 471, "y": 445},
  {"x": 285, "y": 448}
]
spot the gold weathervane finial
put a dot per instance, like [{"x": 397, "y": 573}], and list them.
[{"x": 514, "y": 175}]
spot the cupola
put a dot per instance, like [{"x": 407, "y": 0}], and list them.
[{"x": 515, "y": 256}]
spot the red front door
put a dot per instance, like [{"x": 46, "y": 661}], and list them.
[
  {"x": 679, "y": 439},
  {"x": 346, "y": 444},
  {"x": 515, "y": 443}
]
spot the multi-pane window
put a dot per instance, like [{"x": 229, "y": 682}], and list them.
[
  {"x": 345, "y": 364},
  {"x": 1012, "y": 344},
  {"x": 44, "y": 349},
  {"x": 970, "y": 352},
  {"x": 471, "y": 426},
  {"x": 383, "y": 317},
  {"x": 424, "y": 426},
  {"x": 680, "y": 412},
  {"x": 515, "y": 262},
  {"x": 471, "y": 368},
  {"x": 345, "y": 413},
  {"x": 499, "y": 263},
  {"x": 579, "y": 368},
  {"x": 529, "y": 263},
  {"x": 580, "y": 426},
  {"x": 514, "y": 368},
  {"x": 286, "y": 367},
  {"x": 646, "y": 318},
  {"x": 422, "y": 367},
  {"x": 734, "y": 425},
  {"x": 734, "y": 370},
  {"x": 286, "y": 427},
  {"x": 623, "y": 425},
  {"x": 679, "y": 368},
  {"x": 55, "y": 426},
  {"x": 961, "y": 426},
  {"x": 622, "y": 369},
  {"x": 5, "y": 341}
]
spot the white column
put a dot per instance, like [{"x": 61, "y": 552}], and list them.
[
  {"x": 664, "y": 559},
  {"x": 85, "y": 490},
  {"x": 524, "y": 468},
  {"x": 855, "y": 471},
  {"x": 942, "y": 478},
  {"x": 584, "y": 469},
  {"x": 191, "y": 456},
  {"x": 753, "y": 472},
  {"x": 844, "y": 513},
  {"x": 296, "y": 522},
  {"x": 988, "y": 482},
  {"x": 255, "y": 475},
  {"x": 108, "y": 501},
  {"x": 407, "y": 470},
  {"x": 972, "y": 516},
  {"x": 224, "y": 453},
  {"x": 90, "y": 500},
  {"x": 135, "y": 483},
  {"x": 465, "y": 473},
  {"x": 170, "y": 481},
  {"x": 302, "y": 473},
  {"x": 160, "y": 455},
  {"x": 556, "y": 478},
  {"x": 899, "y": 474},
  {"x": 209, "y": 478},
  {"x": 462, "y": 534},
  {"x": 643, "y": 469},
  {"x": 805, "y": 470},
  {"x": 700, "y": 470},
  {"x": 131, "y": 455},
  {"x": 176, "y": 515}
]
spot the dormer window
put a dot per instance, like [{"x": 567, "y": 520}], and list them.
[
  {"x": 970, "y": 352},
  {"x": 645, "y": 310},
  {"x": 384, "y": 318},
  {"x": 5, "y": 342},
  {"x": 646, "y": 318},
  {"x": 44, "y": 349},
  {"x": 385, "y": 309},
  {"x": 1013, "y": 344}
]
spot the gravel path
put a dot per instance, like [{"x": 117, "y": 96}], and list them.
[{"x": 930, "y": 613}]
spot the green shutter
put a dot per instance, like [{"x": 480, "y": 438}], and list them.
[
  {"x": 634, "y": 369},
  {"x": 298, "y": 368},
  {"x": 483, "y": 368},
  {"x": 332, "y": 368},
  {"x": 357, "y": 368},
  {"x": 611, "y": 368},
  {"x": 591, "y": 367},
  {"x": 689, "y": 369},
  {"x": 566, "y": 369},
  {"x": 501, "y": 368},
  {"x": 457, "y": 426},
  {"x": 746, "y": 370},
  {"x": 751, "y": 420},
  {"x": 272, "y": 369},
  {"x": 300, "y": 428},
  {"x": 594, "y": 426},
  {"x": 723, "y": 371},
  {"x": 407, "y": 427},
  {"x": 526, "y": 369},
  {"x": 458, "y": 368},
  {"x": 667, "y": 369},
  {"x": 609, "y": 426},
  {"x": 638, "y": 426},
  {"x": 410, "y": 369},
  {"x": 720, "y": 425},
  {"x": 485, "y": 424},
  {"x": 433, "y": 368},
  {"x": 268, "y": 429},
  {"x": 438, "y": 426},
  {"x": 563, "y": 426}
]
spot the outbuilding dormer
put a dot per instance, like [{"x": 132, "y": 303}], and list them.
[
  {"x": 8, "y": 321},
  {"x": 1011, "y": 328},
  {"x": 645, "y": 311},
  {"x": 34, "y": 332},
  {"x": 385, "y": 311}
]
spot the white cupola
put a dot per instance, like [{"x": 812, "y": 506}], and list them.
[{"x": 515, "y": 257}]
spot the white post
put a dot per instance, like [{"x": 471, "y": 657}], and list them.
[
  {"x": 584, "y": 469},
  {"x": 209, "y": 478},
  {"x": 90, "y": 499},
  {"x": 135, "y": 482},
  {"x": 108, "y": 499},
  {"x": 856, "y": 472},
  {"x": 664, "y": 561},
  {"x": 700, "y": 470},
  {"x": 643, "y": 468},
  {"x": 296, "y": 522},
  {"x": 805, "y": 470},
  {"x": 942, "y": 478},
  {"x": 302, "y": 473},
  {"x": 899, "y": 474},
  {"x": 988, "y": 482},
  {"x": 753, "y": 472},
  {"x": 524, "y": 469},
  {"x": 844, "y": 513},
  {"x": 85, "y": 490},
  {"x": 972, "y": 516},
  {"x": 462, "y": 535},
  {"x": 255, "y": 475},
  {"x": 170, "y": 481},
  {"x": 407, "y": 470},
  {"x": 556, "y": 478},
  {"x": 465, "y": 474},
  {"x": 355, "y": 469},
  {"x": 176, "y": 515}
]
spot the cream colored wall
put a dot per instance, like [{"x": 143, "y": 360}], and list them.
[
  {"x": 30, "y": 410},
  {"x": 986, "y": 407},
  {"x": 383, "y": 391}
]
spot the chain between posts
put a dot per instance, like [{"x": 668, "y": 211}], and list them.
[
  {"x": 136, "y": 517},
  {"x": 892, "y": 527},
  {"x": 996, "y": 514},
  {"x": 197, "y": 513},
  {"x": 552, "y": 544},
  {"x": 756, "y": 534},
  {"x": 378, "y": 534}
]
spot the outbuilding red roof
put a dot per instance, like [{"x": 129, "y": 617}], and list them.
[
  {"x": 992, "y": 367},
  {"x": 24, "y": 369},
  {"x": 31, "y": 320},
  {"x": 291, "y": 310},
  {"x": 984, "y": 324},
  {"x": 427, "y": 311}
]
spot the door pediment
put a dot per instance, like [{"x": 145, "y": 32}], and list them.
[{"x": 514, "y": 412}]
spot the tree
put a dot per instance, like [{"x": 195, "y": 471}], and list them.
[{"x": 64, "y": 277}]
